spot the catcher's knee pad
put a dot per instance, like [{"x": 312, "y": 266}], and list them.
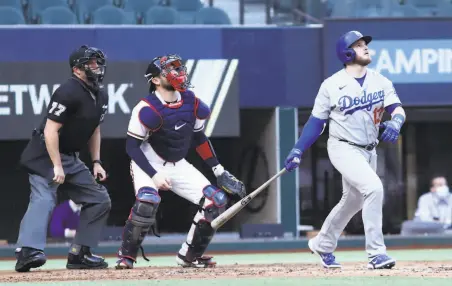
[
  {"x": 203, "y": 230},
  {"x": 141, "y": 218},
  {"x": 219, "y": 200}
]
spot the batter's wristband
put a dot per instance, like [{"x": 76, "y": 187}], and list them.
[{"x": 399, "y": 118}]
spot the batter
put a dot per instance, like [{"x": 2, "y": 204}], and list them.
[{"x": 353, "y": 101}]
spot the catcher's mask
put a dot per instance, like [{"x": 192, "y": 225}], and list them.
[
  {"x": 82, "y": 59},
  {"x": 172, "y": 69}
]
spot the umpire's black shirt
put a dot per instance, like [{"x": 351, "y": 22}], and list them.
[{"x": 80, "y": 109}]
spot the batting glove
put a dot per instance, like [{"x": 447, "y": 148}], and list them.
[
  {"x": 392, "y": 129},
  {"x": 293, "y": 159}
]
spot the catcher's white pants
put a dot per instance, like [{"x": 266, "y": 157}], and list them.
[{"x": 186, "y": 181}]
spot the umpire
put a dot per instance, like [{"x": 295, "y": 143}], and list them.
[{"x": 74, "y": 114}]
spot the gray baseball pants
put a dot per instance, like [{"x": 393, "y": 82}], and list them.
[{"x": 84, "y": 190}]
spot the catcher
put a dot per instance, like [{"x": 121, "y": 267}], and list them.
[{"x": 162, "y": 128}]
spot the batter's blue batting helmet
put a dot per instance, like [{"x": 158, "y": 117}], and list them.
[{"x": 343, "y": 50}]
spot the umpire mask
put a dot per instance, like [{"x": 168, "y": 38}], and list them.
[{"x": 92, "y": 61}]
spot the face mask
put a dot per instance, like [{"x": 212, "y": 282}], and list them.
[{"x": 442, "y": 191}]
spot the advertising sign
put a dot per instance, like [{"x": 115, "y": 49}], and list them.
[
  {"x": 413, "y": 61},
  {"x": 26, "y": 88}
]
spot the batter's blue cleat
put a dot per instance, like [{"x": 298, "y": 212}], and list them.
[
  {"x": 328, "y": 260},
  {"x": 381, "y": 261}
]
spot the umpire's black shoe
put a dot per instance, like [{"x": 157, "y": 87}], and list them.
[
  {"x": 28, "y": 258},
  {"x": 80, "y": 257}
]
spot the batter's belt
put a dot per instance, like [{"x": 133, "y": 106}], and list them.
[{"x": 368, "y": 147}]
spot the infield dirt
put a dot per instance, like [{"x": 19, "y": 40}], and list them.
[{"x": 402, "y": 269}]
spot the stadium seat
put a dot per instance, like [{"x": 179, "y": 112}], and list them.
[
  {"x": 186, "y": 5},
  {"x": 187, "y": 9},
  {"x": 369, "y": 13},
  {"x": 119, "y": 3},
  {"x": 445, "y": 9},
  {"x": 317, "y": 9},
  {"x": 109, "y": 15},
  {"x": 371, "y": 8},
  {"x": 35, "y": 7},
  {"x": 420, "y": 4},
  {"x": 425, "y": 7},
  {"x": 405, "y": 11},
  {"x": 283, "y": 10},
  {"x": 369, "y": 4},
  {"x": 12, "y": 3},
  {"x": 58, "y": 16},
  {"x": 161, "y": 15},
  {"x": 212, "y": 16},
  {"x": 389, "y": 6},
  {"x": 344, "y": 9},
  {"x": 285, "y": 6},
  {"x": 139, "y": 7},
  {"x": 85, "y": 8},
  {"x": 186, "y": 17},
  {"x": 11, "y": 16}
]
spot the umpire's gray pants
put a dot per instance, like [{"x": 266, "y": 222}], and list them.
[{"x": 84, "y": 190}]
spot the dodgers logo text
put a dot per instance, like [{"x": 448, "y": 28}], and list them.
[{"x": 366, "y": 101}]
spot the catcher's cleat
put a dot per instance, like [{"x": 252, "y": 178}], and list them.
[
  {"x": 124, "y": 263},
  {"x": 200, "y": 262}
]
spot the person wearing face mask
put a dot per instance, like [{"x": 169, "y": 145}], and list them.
[
  {"x": 436, "y": 206},
  {"x": 434, "y": 211}
]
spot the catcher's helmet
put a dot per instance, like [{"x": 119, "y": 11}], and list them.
[
  {"x": 343, "y": 46},
  {"x": 171, "y": 68},
  {"x": 81, "y": 57}
]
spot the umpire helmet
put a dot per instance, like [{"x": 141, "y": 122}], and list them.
[
  {"x": 343, "y": 46},
  {"x": 82, "y": 56},
  {"x": 170, "y": 67}
]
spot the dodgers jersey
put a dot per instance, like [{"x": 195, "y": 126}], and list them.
[
  {"x": 168, "y": 130},
  {"x": 354, "y": 111}
]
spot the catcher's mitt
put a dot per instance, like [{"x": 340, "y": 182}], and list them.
[{"x": 231, "y": 184}]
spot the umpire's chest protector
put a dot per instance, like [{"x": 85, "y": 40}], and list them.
[{"x": 173, "y": 139}]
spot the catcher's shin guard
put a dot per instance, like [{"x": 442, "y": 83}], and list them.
[
  {"x": 141, "y": 219},
  {"x": 201, "y": 232}
]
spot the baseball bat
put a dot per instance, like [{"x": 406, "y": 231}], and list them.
[{"x": 235, "y": 208}]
